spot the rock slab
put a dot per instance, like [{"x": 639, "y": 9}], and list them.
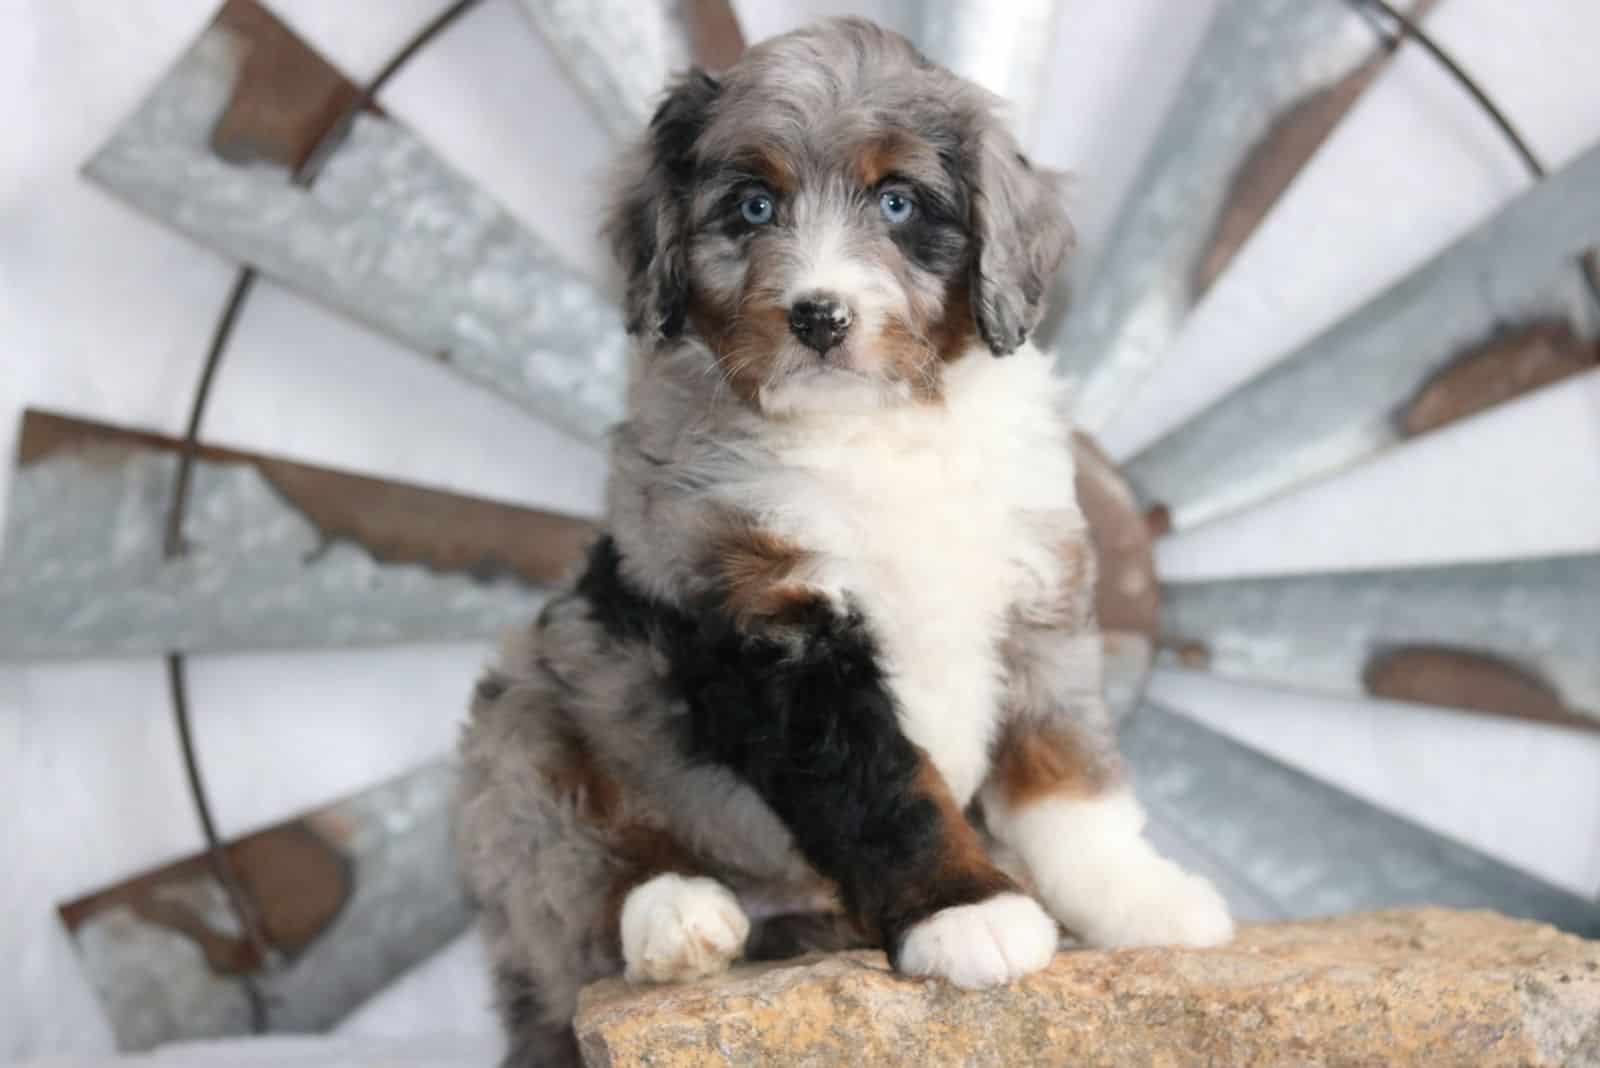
[{"x": 1408, "y": 987}]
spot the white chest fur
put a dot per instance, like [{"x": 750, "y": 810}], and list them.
[{"x": 934, "y": 520}]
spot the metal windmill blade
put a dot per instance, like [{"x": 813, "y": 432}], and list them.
[
  {"x": 1243, "y": 818},
  {"x": 1271, "y": 80},
  {"x": 1007, "y": 56},
  {"x": 389, "y": 234},
  {"x": 278, "y": 554},
  {"x": 344, "y": 898},
  {"x": 1499, "y": 312},
  {"x": 1513, "y": 638},
  {"x": 621, "y": 63}
]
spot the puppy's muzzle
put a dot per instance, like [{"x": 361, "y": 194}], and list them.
[{"x": 820, "y": 321}]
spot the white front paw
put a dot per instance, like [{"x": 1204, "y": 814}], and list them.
[
  {"x": 676, "y": 928},
  {"x": 987, "y": 944},
  {"x": 1104, "y": 881},
  {"x": 1160, "y": 904}
]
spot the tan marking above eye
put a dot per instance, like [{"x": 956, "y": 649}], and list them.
[
  {"x": 772, "y": 167},
  {"x": 883, "y": 156}
]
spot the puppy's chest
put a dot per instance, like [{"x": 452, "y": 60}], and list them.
[
  {"x": 919, "y": 539},
  {"x": 934, "y": 529}
]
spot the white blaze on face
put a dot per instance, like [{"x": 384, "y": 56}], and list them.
[
  {"x": 830, "y": 256},
  {"x": 832, "y": 245}
]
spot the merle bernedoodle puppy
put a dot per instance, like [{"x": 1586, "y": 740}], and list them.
[{"x": 831, "y": 677}]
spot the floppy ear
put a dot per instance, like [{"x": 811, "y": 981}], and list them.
[
  {"x": 648, "y": 225},
  {"x": 1019, "y": 222}
]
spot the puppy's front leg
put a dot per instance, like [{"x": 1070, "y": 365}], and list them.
[
  {"x": 1058, "y": 796},
  {"x": 800, "y": 709},
  {"x": 779, "y": 683}
]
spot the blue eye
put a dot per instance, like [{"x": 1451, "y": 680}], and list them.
[
  {"x": 896, "y": 206},
  {"x": 756, "y": 210}
]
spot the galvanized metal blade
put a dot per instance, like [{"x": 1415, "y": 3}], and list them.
[
  {"x": 388, "y": 234},
  {"x": 348, "y": 897},
  {"x": 1280, "y": 844},
  {"x": 1514, "y": 638},
  {"x": 1271, "y": 80},
  {"x": 1002, "y": 47},
  {"x": 1497, "y": 313},
  {"x": 621, "y": 54},
  {"x": 278, "y": 554}
]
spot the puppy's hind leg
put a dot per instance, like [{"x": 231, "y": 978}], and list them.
[
  {"x": 532, "y": 1038},
  {"x": 551, "y": 843},
  {"x": 597, "y": 903},
  {"x": 545, "y": 930}
]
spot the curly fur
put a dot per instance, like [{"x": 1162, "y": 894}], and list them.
[{"x": 843, "y": 600}]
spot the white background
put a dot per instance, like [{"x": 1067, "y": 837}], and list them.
[{"x": 106, "y": 315}]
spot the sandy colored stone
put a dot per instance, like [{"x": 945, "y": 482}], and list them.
[{"x": 1411, "y": 987}]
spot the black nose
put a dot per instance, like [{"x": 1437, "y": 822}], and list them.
[{"x": 819, "y": 322}]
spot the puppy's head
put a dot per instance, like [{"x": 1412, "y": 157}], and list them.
[{"x": 835, "y": 219}]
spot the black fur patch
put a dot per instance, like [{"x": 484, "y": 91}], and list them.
[
  {"x": 936, "y": 237},
  {"x": 649, "y": 225},
  {"x": 518, "y": 999},
  {"x": 803, "y": 714},
  {"x": 532, "y": 1041},
  {"x": 678, "y": 122},
  {"x": 938, "y": 247},
  {"x": 725, "y": 215},
  {"x": 794, "y": 934}
]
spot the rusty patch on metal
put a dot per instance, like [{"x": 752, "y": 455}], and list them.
[
  {"x": 287, "y": 98},
  {"x": 1128, "y": 597},
  {"x": 395, "y": 522},
  {"x": 297, "y": 879},
  {"x": 1195, "y": 655},
  {"x": 1158, "y": 520},
  {"x": 1516, "y": 360},
  {"x": 407, "y": 524},
  {"x": 1476, "y": 682},
  {"x": 352, "y": 894},
  {"x": 1273, "y": 163},
  {"x": 714, "y": 35},
  {"x": 44, "y": 434}
]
